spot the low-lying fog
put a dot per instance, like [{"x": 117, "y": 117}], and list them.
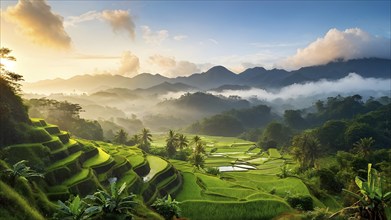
[{"x": 108, "y": 106}]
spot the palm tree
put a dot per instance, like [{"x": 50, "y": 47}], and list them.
[
  {"x": 196, "y": 139},
  {"x": 199, "y": 148},
  {"x": 197, "y": 160},
  {"x": 306, "y": 149},
  {"x": 20, "y": 170},
  {"x": 364, "y": 145},
  {"x": 182, "y": 141},
  {"x": 146, "y": 138},
  {"x": 121, "y": 137},
  {"x": 171, "y": 143},
  {"x": 135, "y": 139},
  {"x": 114, "y": 203}
]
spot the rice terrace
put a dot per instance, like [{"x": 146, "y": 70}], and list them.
[{"x": 195, "y": 110}]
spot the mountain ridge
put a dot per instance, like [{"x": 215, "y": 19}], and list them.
[{"x": 219, "y": 75}]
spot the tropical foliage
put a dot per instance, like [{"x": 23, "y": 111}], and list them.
[
  {"x": 372, "y": 197},
  {"x": 167, "y": 207}
]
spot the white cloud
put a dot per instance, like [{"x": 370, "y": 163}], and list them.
[
  {"x": 350, "y": 84},
  {"x": 37, "y": 21},
  {"x": 180, "y": 37},
  {"x": 349, "y": 44},
  {"x": 173, "y": 68},
  {"x": 119, "y": 20},
  {"x": 213, "y": 41},
  {"x": 154, "y": 38},
  {"x": 129, "y": 64},
  {"x": 88, "y": 16}
]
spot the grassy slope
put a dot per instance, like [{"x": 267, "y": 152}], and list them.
[{"x": 17, "y": 204}]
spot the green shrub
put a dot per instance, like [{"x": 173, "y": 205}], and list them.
[
  {"x": 301, "y": 202},
  {"x": 213, "y": 171},
  {"x": 317, "y": 214},
  {"x": 328, "y": 181},
  {"x": 167, "y": 207}
]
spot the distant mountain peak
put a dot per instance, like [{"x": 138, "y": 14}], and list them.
[{"x": 219, "y": 70}]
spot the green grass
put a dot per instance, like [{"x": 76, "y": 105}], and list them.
[
  {"x": 98, "y": 159},
  {"x": 77, "y": 177},
  {"x": 273, "y": 152},
  {"x": 183, "y": 166},
  {"x": 64, "y": 161},
  {"x": 18, "y": 204},
  {"x": 230, "y": 210},
  {"x": 156, "y": 164},
  {"x": 190, "y": 188},
  {"x": 135, "y": 160}
]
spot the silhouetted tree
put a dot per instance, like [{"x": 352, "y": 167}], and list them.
[{"x": 121, "y": 137}]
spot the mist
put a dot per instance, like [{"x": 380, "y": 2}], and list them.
[{"x": 298, "y": 96}]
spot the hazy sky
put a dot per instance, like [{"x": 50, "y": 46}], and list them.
[{"x": 54, "y": 39}]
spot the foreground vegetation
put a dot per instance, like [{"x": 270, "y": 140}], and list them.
[{"x": 305, "y": 167}]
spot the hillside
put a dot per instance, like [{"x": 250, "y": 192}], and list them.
[
  {"x": 219, "y": 75},
  {"x": 76, "y": 166},
  {"x": 204, "y": 103}
]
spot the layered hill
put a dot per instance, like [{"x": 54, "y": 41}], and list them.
[
  {"x": 219, "y": 75},
  {"x": 77, "y": 166}
]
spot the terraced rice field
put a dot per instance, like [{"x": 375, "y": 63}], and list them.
[{"x": 239, "y": 194}]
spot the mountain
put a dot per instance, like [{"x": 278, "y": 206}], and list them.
[
  {"x": 214, "y": 77},
  {"x": 218, "y": 76},
  {"x": 164, "y": 88},
  {"x": 230, "y": 87},
  {"x": 204, "y": 103}
]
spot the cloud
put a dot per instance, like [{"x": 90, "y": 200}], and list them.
[
  {"x": 349, "y": 44},
  {"x": 154, "y": 38},
  {"x": 120, "y": 20},
  {"x": 180, "y": 37},
  {"x": 173, "y": 68},
  {"x": 83, "y": 56},
  {"x": 213, "y": 41},
  {"x": 162, "y": 61},
  {"x": 39, "y": 23},
  {"x": 129, "y": 64},
  {"x": 88, "y": 16},
  {"x": 351, "y": 84}
]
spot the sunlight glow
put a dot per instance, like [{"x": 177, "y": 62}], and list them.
[{"x": 9, "y": 65}]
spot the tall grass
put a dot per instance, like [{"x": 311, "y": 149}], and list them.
[
  {"x": 256, "y": 209},
  {"x": 22, "y": 207}
]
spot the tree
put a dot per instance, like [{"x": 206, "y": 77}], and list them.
[
  {"x": 13, "y": 113},
  {"x": 167, "y": 207},
  {"x": 20, "y": 170},
  {"x": 357, "y": 131},
  {"x": 372, "y": 197},
  {"x": 121, "y": 137},
  {"x": 114, "y": 203},
  {"x": 146, "y": 138},
  {"x": 11, "y": 78},
  {"x": 171, "y": 144},
  {"x": 196, "y": 139},
  {"x": 364, "y": 145},
  {"x": 135, "y": 139},
  {"x": 197, "y": 160},
  {"x": 306, "y": 149},
  {"x": 294, "y": 119},
  {"x": 331, "y": 135},
  {"x": 182, "y": 141},
  {"x": 276, "y": 132}
]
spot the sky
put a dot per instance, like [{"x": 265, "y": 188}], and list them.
[{"x": 60, "y": 39}]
